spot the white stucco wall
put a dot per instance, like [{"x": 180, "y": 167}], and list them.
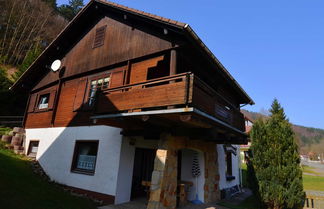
[
  {"x": 125, "y": 172},
  {"x": 223, "y": 183},
  {"x": 186, "y": 174},
  {"x": 55, "y": 153}
]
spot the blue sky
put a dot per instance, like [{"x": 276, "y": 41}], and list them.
[{"x": 272, "y": 48}]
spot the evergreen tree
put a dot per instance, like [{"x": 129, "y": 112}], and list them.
[
  {"x": 29, "y": 59},
  {"x": 70, "y": 10},
  {"x": 51, "y": 3},
  {"x": 276, "y": 163}
]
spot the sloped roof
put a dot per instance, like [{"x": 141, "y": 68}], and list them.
[{"x": 182, "y": 26}]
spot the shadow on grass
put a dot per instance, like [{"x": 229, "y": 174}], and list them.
[
  {"x": 248, "y": 203},
  {"x": 20, "y": 188}
]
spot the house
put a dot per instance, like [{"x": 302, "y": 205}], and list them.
[
  {"x": 123, "y": 102},
  {"x": 244, "y": 148}
]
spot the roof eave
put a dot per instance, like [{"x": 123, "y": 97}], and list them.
[{"x": 214, "y": 58}]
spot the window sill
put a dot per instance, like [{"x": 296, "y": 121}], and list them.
[
  {"x": 89, "y": 173},
  {"x": 230, "y": 178},
  {"x": 43, "y": 110}
]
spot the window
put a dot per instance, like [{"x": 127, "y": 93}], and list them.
[
  {"x": 43, "y": 101},
  {"x": 85, "y": 156},
  {"x": 229, "y": 164},
  {"x": 33, "y": 148},
  {"x": 99, "y": 37},
  {"x": 96, "y": 85}
]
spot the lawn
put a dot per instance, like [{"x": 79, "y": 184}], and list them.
[
  {"x": 313, "y": 182},
  {"x": 20, "y": 188}
]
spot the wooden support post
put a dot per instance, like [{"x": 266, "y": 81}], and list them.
[
  {"x": 173, "y": 67},
  {"x": 173, "y": 62}
]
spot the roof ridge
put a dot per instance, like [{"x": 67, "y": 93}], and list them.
[{"x": 143, "y": 13}]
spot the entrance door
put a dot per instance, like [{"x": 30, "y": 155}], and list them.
[{"x": 143, "y": 168}]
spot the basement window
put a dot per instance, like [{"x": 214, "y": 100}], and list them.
[
  {"x": 85, "y": 156},
  {"x": 99, "y": 37},
  {"x": 43, "y": 101},
  {"x": 33, "y": 148}
]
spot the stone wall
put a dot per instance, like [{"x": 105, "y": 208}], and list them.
[{"x": 164, "y": 177}]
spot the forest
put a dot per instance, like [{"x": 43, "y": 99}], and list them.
[{"x": 26, "y": 29}]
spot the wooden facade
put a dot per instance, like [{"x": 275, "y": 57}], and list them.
[{"x": 125, "y": 62}]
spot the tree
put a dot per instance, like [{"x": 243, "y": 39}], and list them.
[
  {"x": 25, "y": 25},
  {"x": 275, "y": 161},
  {"x": 70, "y": 10},
  {"x": 29, "y": 59},
  {"x": 51, "y": 3}
]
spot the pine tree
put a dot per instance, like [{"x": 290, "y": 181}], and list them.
[
  {"x": 276, "y": 162},
  {"x": 70, "y": 10}
]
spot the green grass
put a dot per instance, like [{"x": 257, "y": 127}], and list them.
[
  {"x": 4, "y": 130},
  {"x": 244, "y": 175},
  {"x": 313, "y": 182},
  {"x": 20, "y": 188}
]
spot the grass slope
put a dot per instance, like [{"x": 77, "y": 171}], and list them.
[{"x": 20, "y": 188}]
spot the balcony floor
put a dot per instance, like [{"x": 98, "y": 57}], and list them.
[{"x": 180, "y": 121}]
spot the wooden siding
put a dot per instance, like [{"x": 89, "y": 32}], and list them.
[
  {"x": 122, "y": 43},
  {"x": 139, "y": 70},
  {"x": 182, "y": 89},
  {"x": 39, "y": 120}
]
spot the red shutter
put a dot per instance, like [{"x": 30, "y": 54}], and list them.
[
  {"x": 32, "y": 102},
  {"x": 117, "y": 79},
  {"x": 52, "y": 99},
  {"x": 80, "y": 94}
]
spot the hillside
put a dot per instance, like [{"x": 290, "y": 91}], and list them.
[
  {"x": 26, "y": 29},
  {"x": 309, "y": 139}
]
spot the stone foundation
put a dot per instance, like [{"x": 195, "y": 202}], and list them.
[{"x": 164, "y": 177}]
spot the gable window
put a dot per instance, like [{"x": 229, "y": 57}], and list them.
[
  {"x": 43, "y": 101},
  {"x": 85, "y": 156},
  {"x": 95, "y": 85},
  {"x": 99, "y": 37}
]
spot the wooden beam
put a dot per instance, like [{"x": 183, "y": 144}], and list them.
[{"x": 173, "y": 62}]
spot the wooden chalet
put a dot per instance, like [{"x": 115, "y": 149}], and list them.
[{"x": 135, "y": 99}]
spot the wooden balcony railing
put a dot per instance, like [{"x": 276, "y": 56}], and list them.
[{"x": 184, "y": 89}]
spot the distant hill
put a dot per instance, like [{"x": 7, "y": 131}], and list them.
[{"x": 309, "y": 139}]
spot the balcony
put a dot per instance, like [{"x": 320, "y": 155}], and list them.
[{"x": 178, "y": 92}]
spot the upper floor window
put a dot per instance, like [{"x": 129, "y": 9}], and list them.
[
  {"x": 96, "y": 85},
  {"x": 43, "y": 101},
  {"x": 99, "y": 37}
]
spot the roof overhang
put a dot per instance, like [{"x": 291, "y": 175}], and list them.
[{"x": 211, "y": 119}]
